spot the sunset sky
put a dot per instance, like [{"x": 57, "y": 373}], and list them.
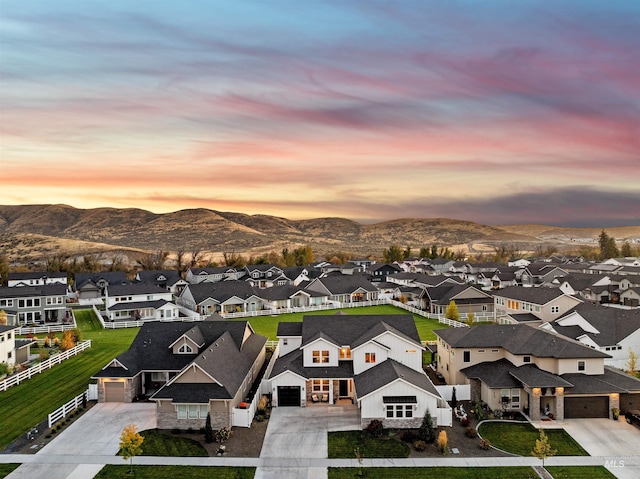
[{"x": 491, "y": 111}]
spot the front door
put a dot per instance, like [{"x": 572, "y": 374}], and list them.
[{"x": 344, "y": 388}]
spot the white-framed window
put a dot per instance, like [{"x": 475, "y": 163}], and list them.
[
  {"x": 399, "y": 410},
  {"x": 369, "y": 357},
  {"x": 515, "y": 399},
  {"x": 320, "y": 357},
  {"x": 505, "y": 396},
  {"x": 185, "y": 349},
  {"x": 285, "y": 341},
  {"x": 159, "y": 376},
  {"x": 555, "y": 309},
  {"x": 192, "y": 411},
  {"x": 581, "y": 365},
  {"x": 345, "y": 352},
  {"x": 320, "y": 385}
]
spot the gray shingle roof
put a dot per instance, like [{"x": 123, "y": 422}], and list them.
[
  {"x": 531, "y": 295},
  {"x": 293, "y": 362},
  {"x": 222, "y": 291},
  {"x": 34, "y": 291},
  {"x": 518, "y": 339},
  {"x": 388, "y": 371},
  {"x": 611, "y": 381},
  {"x": 347, "y": 283},
  {"x": 613, "y": 324}
]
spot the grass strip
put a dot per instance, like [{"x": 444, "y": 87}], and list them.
[
  {"x": 521, "y": 439},
  {"x": 183, "y": 472},
  {"x": 342, "y": 445}
]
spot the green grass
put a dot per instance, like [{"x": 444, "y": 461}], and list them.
[
  {"x": 29, "y": 403},
  {"x": 182, "y": 472},
  {"x": 6, "y": 469},
  {"x": 268, "y": 325},
  {"x": 159, "y": 444},
  {"x": 439, "y": 472},
  {"x": 342, "y": 444},
  {"x": 521, "y": 438},
  {"x": 579, "y": 472}
]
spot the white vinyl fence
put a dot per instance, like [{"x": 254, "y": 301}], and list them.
[
  {"x": 56, "y": 328},
  {"x": 463, "y": 392},
  {"x": 44, "y": 365},
  {"x": 75, "y": 403}
]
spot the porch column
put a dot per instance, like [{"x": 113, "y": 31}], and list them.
[
  {"x": 560, "y": 404},
  {"x": 534, "y": 404}
]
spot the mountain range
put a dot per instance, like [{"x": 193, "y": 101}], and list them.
[{"x": 26, "y": 228}]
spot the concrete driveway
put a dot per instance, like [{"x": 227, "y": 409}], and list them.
[
  {"x": 95, "y": 433},
  {"x": 611, "y": 440}
]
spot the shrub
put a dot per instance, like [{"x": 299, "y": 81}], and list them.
[
  {"x": 375, "y": 428},
  {"x": 208, "y": 430},
  {"x": 76, "y": 334},
  {"x": 223, "y": 434},
  {"x": 465, "y": 422},
  {"x": 409, "y": 436},
  {"x": 175, "y": 430},
  {"x": 442, "y": 442},
  {"x": 471, "y": 433},
  {"x": 420, "y": 446},
  {"x": 485, "y": 444},
  {"x": 426, "y": 432},
  {"x": 262, "y": 405}
]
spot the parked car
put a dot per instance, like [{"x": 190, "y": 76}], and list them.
[{"x": 633, "y": 417}]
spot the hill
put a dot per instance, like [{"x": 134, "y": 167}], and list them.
[{"x": 33, "y": 231}]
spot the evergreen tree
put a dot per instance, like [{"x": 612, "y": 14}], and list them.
[
  {"x": 454, "y": 399},
  {"x": 208, "y": 430},
  {"x": 426, "y": 432}
]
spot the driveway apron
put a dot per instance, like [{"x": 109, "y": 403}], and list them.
[
  {"x": 97, "y": 432},
  {"x": 301, "y": 434}
]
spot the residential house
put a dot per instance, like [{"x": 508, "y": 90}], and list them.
[
  {"x": 12, "y": 350},
  {"x": 517, "y": 367},
  {"x": 345, "y": 288},
  {"x": 139, "y": 301},
  {"x": 189, "y": 370},
  {"x": 213, "y": 275},
  {"x": 539, "y": 273},
  {"x": 167, "y": 279},
  {"x": 613, "y": 331},
  {"x": 582, "y": 285},
  {"x": 36, "y": 304},
  {"x": 468, "y": 298},
  {"x": 266, "y": 276},
  {"x": 518, "y": 304},
  {"x": 91, "y": 287},
  {"x": 289, "y": 296},
  {"x": 379, "y": 272},
  {"x": 38, "y": 278},
  {"x": 374, "y": 361},
  {"x": 630, "y": 297},
  {"x": 221, "y": 297}
]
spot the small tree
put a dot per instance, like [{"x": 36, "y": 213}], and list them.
[
  {"x": 452, "y": 311},
  {"x": 470, "y": 317},
  {"x": 208, "y": 430},
  {"x": 632, "y": 363},
  {"x": 442, "y": 442},
  {"x": 223, "y": 434},
  {"x": 130, "y": 443},
  {"x": 426, "y": 432},
  {"x": 454, "y": 399},
  {"x": 67, "y": 340},
  {"x": 359, "y": 458},
  {"x": 543, "y": 449},
  {"x": 3, "y": 318}
]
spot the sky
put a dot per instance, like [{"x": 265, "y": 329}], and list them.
[{"x": 500, "y": 112}]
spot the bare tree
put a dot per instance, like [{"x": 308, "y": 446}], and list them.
[{"x": 155, "y": 260}]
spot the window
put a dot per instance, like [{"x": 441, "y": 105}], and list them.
[
  {"x": 581, "y": 365},
  {"x": 466, "y": 356},
  {"x": 345, "y": 352},
  {"x": 515, "y": 398},
  {"x": 369, "y": 357},
  {"x": 481, "y": 350},
  {"x": 526, "y": 359},
  {"x": 399, "y": 406},
  {"x": 320, "y": 385},
  {"x": 192, "y": 411},
  {"x": 158, "y": 376},
  {"x": 285, "y": 341},
  {"x": 185, "y": 349},
  {"x": 320, "y": 356},
  {"x": 504, "y": 395},
  {"x": 555, "y": 309}
]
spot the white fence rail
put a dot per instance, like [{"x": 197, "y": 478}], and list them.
[
  {"x": 444, "y": 416},
  {"x": 67, "y": 408},
  {"x": 54, "y": 328},
  {"x": 463, "y": 392},
  {"x": 44, "y": 365}
]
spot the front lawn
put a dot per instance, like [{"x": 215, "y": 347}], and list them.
[
  {"x": 158, "y": 444},
  {"x": 268, "y": 325},
  {"x": 439, "y": 472},
  {"x": 183, "y": 472},
  {"x": 6, "y": 469},
  {"x": 521, "y": 438},
  {"x": 579, "y": 472},
  {"x": 342, "y": 445},
  {"x": 29, "y": 403}
]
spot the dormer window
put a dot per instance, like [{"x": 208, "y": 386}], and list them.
[
  {"x": 185, "y": 349},
  {"x": 345, "y": 352}
]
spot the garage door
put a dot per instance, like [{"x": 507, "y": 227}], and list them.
[
  {"x": 597, "y": 406},
  {"x": 288, "y": 395},
  {"x": 629, "y": 401},
  {"x": 113, "y": 392}
]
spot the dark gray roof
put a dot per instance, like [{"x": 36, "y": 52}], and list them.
[
  {"x": 222, "y": 291},
  {"x": 35, "y": 275},
  {"x": 533, "y": 377},
  {"x": 518, "y": 339},
  {"x": 531, "y": 295},
  {"x": 388, "y": 371},
  {"x": 524, "y": 317},
  {"x": 346, "y": 283},
  {"x": 612, "y": 381},
  {"x": 289, "y": 329},
  {"x": 198, "y": 393},
  {"x": 613, "y": 324},
  {"x": 34, "y": 291},
  {"x": 134, "y": 288},
  {"x": 130, "y": 305},
  {"x": 111, "y": 277},
  {"x": 5, "y": 327},
  {"x": 154, "y": 276},
  {"x": 503, "y": 374},
  {"x": 445, "y": 293},
  {"x": 21, "y": 343}
]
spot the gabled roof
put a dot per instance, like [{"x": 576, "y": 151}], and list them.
[
  {"x": 222, "y": 291},
  {"x": 612, "y": 381},
  {"x": 18, "y": 276},
  {"x": 539, "y": 296},
  {"x": 293, "y": 362},
  {"x": 55, "y": 289},
  {"x": 447, "y": 292},
  {"x": 387, "y": 372},
  {"x": 519, "y": 339},
  {"x": 134, "y": 289},
  {"x": 130, "y": 305},
  {"x": 346, "y": 283},
  {"x": 111, "y": 277}
]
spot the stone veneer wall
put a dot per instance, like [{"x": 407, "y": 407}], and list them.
[
  {"x": 390, "y": 423},
  {"x": 167, "y": 418}
]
